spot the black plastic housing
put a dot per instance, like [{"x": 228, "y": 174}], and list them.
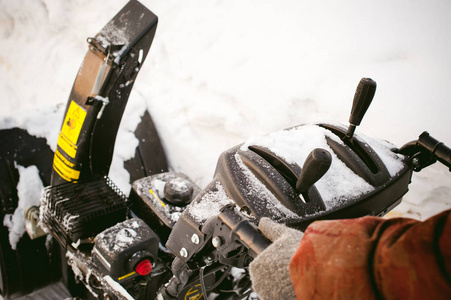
[
  {"x": 148, "y": 203},
  {"x": 120, "y": 248},
  {"x": 278, "y": 177}
]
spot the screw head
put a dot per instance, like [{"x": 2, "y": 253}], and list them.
[
  {"x": 208, "y": 260},
  {"x": 195, "y": 239},
  {"x": 184, "y": 252},
  {"x": 216, "y": 241}
]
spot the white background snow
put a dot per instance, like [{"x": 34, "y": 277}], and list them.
[{"x": 220, "y": 72}]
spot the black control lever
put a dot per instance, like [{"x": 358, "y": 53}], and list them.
[
  {"x": 315, "y": 166},
  {"x": 437, "y": 149},
  {"x": 426, "y": 151},
  {"x": 362, "y": 99},
  {"x": 235, "y": 226}
]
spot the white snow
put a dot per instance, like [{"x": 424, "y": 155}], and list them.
[
  {"x": 256, "y": 188},
  {"x": 209, "y": 204},
  {"x": 118, "y": 237},
  {"x": 115, "y": 34},
  {"x": 125, "y": 237},
  {"x": 72, "y": 261},
  {"x": 118, "y": 288},
  {"x": 153, "y": 189},
  {"x": 294, "y": 145},
  {"x": 159, "y": 187},
  {"x": 81, "y": 274},
  {"x": 179, "y": 184},
  {"x": 391, "y": 160},
  {"x": 29, "y": 192},
  {"x": 69, "y": 221},
  {"x": 118, "y": 55},
  {"x": 223, "y": 71}
]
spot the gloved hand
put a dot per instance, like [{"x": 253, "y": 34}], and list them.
[{"x": 270, "y": 269}]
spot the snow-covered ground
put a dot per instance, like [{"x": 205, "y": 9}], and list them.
[{"x": 220, "y": 72}]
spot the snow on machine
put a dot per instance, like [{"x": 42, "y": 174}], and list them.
[{"x": 170, "y": 239}]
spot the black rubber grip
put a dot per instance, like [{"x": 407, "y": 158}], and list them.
[
  {"x": 247, "y": 233},
  {"x": 443, "y": 154},
  {"x": 362, "y": 99},
  {"x": 440, "y": 151},
  {"x": 315, "y": 166}
]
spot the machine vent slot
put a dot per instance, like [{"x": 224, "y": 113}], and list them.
[{"x": 81, "y": 210}]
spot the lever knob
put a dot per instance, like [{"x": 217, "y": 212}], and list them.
[
  {"x": 364, "y": 94},
  {"x": 315, "y": 166}
]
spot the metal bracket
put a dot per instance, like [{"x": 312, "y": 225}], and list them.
[{"x": 32, "y": 225}]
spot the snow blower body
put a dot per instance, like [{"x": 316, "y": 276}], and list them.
[{"x": 170, "y": 239}]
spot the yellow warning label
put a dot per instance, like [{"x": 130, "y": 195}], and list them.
[
  {"x": 69, "y": 148},
  {"x": 194, "y": 293},
  {"x": 61, "y": 156},
  {"x": 73, "y": 122},
  {"x": 65, "y": 171}
]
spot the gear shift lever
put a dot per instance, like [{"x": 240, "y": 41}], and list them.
[{"x": 362, "y": 99}]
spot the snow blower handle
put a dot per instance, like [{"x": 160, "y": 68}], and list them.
[
  {"x": 440, "y": 151},
  {"x": 363, "y": 96},
  {"x": 237, "y": 227},
  {"x": 425, "y": 151}
]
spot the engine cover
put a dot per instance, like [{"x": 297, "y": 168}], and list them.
[{"x": 120, "y": 249}]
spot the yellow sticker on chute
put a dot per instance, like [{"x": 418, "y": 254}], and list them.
[
  {"x": 65, "y": 145},
  {"x": 67, "y": 142},
  {"x": 60, "y": 165},
  {"x": 73, "y": 122}
]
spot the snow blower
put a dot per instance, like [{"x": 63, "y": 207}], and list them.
[{"x": 170, "y": 239}]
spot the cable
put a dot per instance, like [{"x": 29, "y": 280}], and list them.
[
  {"x": 216, "y": 284},
  {"x": 202, "y": 282}
]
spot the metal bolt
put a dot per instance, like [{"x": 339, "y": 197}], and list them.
[
  {"x": 195, "y": 239},
  {"x": 217, "y": 242},
  {"x": 208, "y": 260},
  {"x": 184, "y": 252},
  {"x": 415, "y": 161}
]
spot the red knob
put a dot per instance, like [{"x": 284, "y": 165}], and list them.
[{"x": 144, "y": 267}]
